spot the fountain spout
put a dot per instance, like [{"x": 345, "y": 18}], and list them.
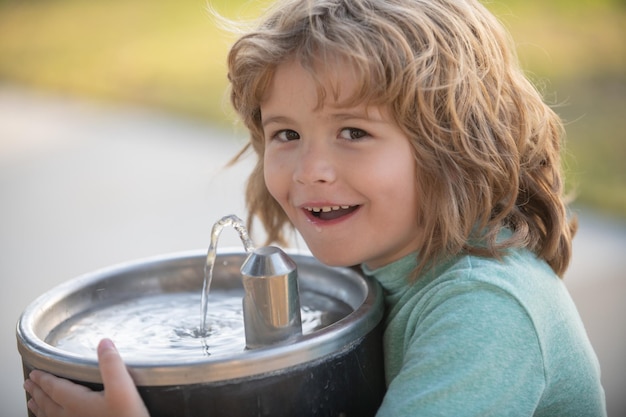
[{"x": 271, "y": 305}]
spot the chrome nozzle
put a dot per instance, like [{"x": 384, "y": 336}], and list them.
[{"x": 271, "y": 304}]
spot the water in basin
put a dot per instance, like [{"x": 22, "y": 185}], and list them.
[{"x": 161, "y": 326}]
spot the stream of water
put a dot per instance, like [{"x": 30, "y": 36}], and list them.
[{"x": 240, "y": 227}]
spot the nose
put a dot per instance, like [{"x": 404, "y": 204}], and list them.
[{"x": 315, "y": 164}]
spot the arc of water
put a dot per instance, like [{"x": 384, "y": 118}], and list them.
[{"x": 238, "y": 224}]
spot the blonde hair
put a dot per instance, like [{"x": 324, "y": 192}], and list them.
[{"x": 486, "y": 145}]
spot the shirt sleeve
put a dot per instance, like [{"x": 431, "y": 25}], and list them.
[{"x": 470, "y": 350}]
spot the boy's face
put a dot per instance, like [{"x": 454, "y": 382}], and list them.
[{"x": 345, "y": 176}]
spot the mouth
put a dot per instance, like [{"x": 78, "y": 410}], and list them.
[{"x": 328, "y": 213}]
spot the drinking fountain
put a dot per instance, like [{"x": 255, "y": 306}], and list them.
[{"x": 287, "y": 335}]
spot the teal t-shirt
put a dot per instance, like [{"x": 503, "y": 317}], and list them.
[{"x": 485, "y": 337}]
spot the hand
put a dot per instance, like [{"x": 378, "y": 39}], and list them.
[{"x": 56, "y": 397}]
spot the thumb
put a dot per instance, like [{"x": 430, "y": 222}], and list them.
[
  {"x": 120, "y": 394},
  {"x": 115, "y": 377}
]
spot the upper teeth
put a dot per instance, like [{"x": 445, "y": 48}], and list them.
[{"x": 326, "y": 209}]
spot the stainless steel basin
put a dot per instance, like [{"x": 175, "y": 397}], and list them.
[{"x": 335, "y": 370}]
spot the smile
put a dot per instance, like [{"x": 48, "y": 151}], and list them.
[{"x": 330, "y": 212}]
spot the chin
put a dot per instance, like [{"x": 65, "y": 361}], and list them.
[{"x": 330, "y": 258}]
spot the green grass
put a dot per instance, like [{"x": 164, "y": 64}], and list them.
[
  {"x": 596, "y": 142},
  {"x": 574, "y": 50},
  {"x": 171, "y": 55},
  {"x": 160, "y": 53}
]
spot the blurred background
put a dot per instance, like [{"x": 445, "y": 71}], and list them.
[
  {"x": 100, "y": 96},
  {"x": 171, "y": 55}
]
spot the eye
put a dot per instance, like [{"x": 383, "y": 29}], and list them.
[
  {"x": 351, "y": 133},
  {"x": 286, "y": 135}
]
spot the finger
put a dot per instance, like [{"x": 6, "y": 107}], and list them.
[
  {"x": 117, "y": 381},
  {"x": 55, "y": 389},
  {"x": 34, "y": 408},
  {"x": 39, "y": 400}
]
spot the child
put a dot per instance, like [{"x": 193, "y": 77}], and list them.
[{"x": 400, "y": 135}]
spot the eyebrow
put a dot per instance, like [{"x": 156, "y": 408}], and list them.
[
  {"x": 343, "y": 116},
  {"x": 361, "y": 115},
  {"x": 371, "y": 117},
  {"x": 275, "y": 119}
]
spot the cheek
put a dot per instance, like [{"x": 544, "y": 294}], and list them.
[
  {"x": 400, "y": 181},
  {"x": 275, "y": 176}
]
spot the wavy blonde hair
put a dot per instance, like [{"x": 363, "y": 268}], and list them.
[{"x": 486, "y": 145}]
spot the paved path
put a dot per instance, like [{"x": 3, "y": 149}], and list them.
[{"x": 85, "y": 186}]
